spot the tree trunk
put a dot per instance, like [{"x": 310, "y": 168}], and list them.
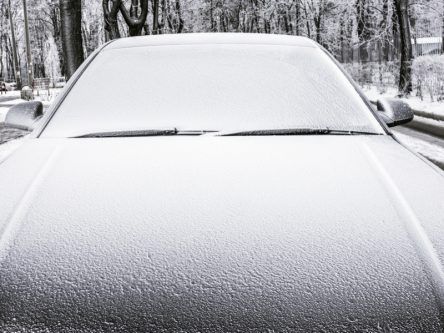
[
  {"x": 17, "y": 72},
  {"x": 71, "y": 23},
  {"x": 163, "y": 17},
  {"x": 307, "y": 21},
  {"x": 110, "y": 10},
  {"x": 343, "y": 39},
  {"x": 363, "y": 36},
  {"x": 55, "y": 19},
  {"x": 395, "y": 32},
  {"x": 317, "y": 22},
  {"x": 383, "y": 26},
  {"x": 28, "y": 46},
  {"x": 298, "y": 17},
  {"x": 155, "y": 17},
  {"x": 405, "y": 77},
  {"x": 442, "y": 39},
  {"x": 179, "y": 15}
]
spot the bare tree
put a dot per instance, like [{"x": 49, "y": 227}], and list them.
[
  {"x": 155, "y": 16},
  {"x": 442, "y": 31},
  {"x": 29, "y": 66},
  {"x": 298, "y": 17},
  {"x": 362, "y": 18},
  {"x": 340, "y": 25},
  {"x": 71, "y": 24},
  {"x": 17, "y": 74},
  {"x": 405, "y": 77},
  {"x": 180, "y": 18},
  {"x": 135, "y": 19}
]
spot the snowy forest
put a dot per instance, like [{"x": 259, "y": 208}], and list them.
[{"x": 376, "y": 40}]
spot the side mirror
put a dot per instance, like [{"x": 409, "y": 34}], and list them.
[
  {"x": 24, "y": 116},
  {"x": 394, "y": 111}
]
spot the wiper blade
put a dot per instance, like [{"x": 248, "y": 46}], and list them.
[
  {"x": 135, "y": 133},
  {"x": 298, "y": 131},
  {"x": 142, "y": 133}
]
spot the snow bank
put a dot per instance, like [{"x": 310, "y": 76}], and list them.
[
  {"x": 3, "y": 112},
  {"x": 428, "y": 150}
]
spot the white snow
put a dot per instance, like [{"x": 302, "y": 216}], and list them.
[
  {"x": 15, "y": 101},
  {"x": 211, "y": 87},
  {"x": 422, "y": 147},
  {"x": 3, "y": 112},
  {"x": 427, "y": 40},
  {"x": 8, "y": 147},
  {"x": 213, "y": 227}
]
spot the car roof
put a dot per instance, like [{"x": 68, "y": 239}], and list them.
[{"x": 211, "y": 38}]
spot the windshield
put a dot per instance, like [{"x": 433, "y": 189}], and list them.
[{"x": 211, "y": 88}]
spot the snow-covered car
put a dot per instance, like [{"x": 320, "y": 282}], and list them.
[{"x": 218, "y": 183}]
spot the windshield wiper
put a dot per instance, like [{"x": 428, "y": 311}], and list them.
[
  {"x": 142, "y": 133},
  {"x": 297, "y": 131},
  {"x": 265, "y": 132}
]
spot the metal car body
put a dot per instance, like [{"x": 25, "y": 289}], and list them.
[{"x": 214, "y": 233}]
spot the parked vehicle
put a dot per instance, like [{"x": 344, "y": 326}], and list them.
[{"x": 218, "y": 183}]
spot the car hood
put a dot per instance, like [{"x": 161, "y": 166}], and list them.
[{"x": 192, "y": 234}]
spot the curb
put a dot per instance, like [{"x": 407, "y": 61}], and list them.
[
  {"x": 428, "y": 115},
  {"x": 420, "y": 125},
  {"x": 438, "y": 163}
]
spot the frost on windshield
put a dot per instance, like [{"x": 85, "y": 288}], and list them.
[{"x": 211, "y": 87}]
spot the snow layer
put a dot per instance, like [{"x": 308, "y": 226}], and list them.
[
  {"x": 422, "y": 147},
  {"x": 7, "y": 148},
  {"x": 225, "y": 87},
  {"x": 3, "y": 112},
  {"x": 192, "y": 234}
]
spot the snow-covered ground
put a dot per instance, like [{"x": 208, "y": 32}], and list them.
[
  {"x": 3, "y": 111},
  {"x": 431, "y": 151}
]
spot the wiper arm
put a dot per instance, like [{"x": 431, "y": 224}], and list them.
[
  {"x": 298, "y": 131},
  {"x": 345, "y": 132},
  {"x": 142, "y": 133}
]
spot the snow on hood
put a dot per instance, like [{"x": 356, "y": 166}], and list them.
[{"x": 288, "y": 234}]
